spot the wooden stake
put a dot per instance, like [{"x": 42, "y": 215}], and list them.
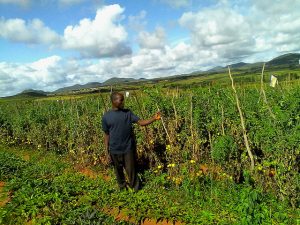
[
  {"x": 146, "y": 132},
  {"x": 106, "y": 108},
  {"x": 175, "y": 111},
  {"x": 191, "y": 124},
  {"x": 262, "y": 92},
  {"x": 242, "y": 122},
  {"x": 163, "y": 123},
  {"x": 223, "y": 130}
]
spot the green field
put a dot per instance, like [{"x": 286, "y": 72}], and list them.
[{"x": 194, "y": 163}]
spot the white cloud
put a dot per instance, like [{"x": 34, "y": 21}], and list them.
[
  {"x": 137, "y": 22},
  {"x": 47, "y": 74},
  {"x": 40, "y": 74},
  {"x": 221, "y": 30},
  {"x": 277, "y": 24},
  {"x": 32, "y": 32},
  {"x": 155, "y": 40},
  {"x": 102, "y": 37},
  {"x": 237, "y": 30},
  {"x": 150, "y": 63}
]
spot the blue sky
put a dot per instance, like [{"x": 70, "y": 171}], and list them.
[{"x": 48, "y": 44}]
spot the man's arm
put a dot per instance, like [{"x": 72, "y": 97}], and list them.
[{"x": 149, "y": 121}]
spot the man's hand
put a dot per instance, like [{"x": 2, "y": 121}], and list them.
[{"x": 157, "y": 116}]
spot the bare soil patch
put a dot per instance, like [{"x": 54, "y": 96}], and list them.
[{"x": 4, "y": 195}]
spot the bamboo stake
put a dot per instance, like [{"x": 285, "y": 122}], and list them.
[
  {"x": 141, "y": 111},
  {"x": 242, "y": 122},
  {"x": 175, "y": 111},
  {"x": 223, "y": 130},
  {"x": 262, "y": 91},
  {"x": 191, "y": 124},
  {"x": 106, "y": 108},
  {"x": 163, "y": 123}
]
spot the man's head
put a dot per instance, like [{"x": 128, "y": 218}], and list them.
[{"x": 117, "y": 100}]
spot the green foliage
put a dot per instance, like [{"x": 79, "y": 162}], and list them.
[
  {"x": 223, "y": 148},
  {"x": 10, "y": 165}
]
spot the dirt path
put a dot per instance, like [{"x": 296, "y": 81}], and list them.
[
  {"x": 163, "y": 222},
  {"x": 92, "y": 174},
  {"x": 4, "y": 195},
  {"x": 121, "y": 216}
]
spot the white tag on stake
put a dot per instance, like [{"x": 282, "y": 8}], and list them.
[{"x": 274, "y": 81}]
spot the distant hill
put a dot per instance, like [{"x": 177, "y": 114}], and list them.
[
  {"x": 32, "y": 92},
  {"x": 290, "y": 59},
  {"x": 283, "y": 61},
  {"x": 111, "y": 81},
  {"x": 239, "y": 65},
  {"x": 77, "y": 87},
  {"x": 216, "y": 69},
  {"x": 117, "y": 80}
]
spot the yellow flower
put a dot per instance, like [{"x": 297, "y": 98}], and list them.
[
  {"x": 178, "y": 181},
  {"x": 198, "y": 174},
  {"x": 171, "y": 165},
  {"x": 260, "y": 168},
  {"x": 192, "y": 161},
  {"x": 159, "y": 167},
  {"x": 155, "y": 171}
]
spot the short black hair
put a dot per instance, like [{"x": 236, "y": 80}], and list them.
[{"x": 114, "y": 95}]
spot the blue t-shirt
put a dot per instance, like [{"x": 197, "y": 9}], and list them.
[{"x": 118, "y": 125}]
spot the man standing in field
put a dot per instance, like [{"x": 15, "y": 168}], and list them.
[{"x": 119, "y": 140}]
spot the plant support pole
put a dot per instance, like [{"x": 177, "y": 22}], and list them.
[
  {"x": 163, "y": 123},
  {"x": 262, "y": 92},
  {"x": 242, "y": 122}
]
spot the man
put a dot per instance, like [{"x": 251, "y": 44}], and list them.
[{"x": 119, "y": 140}]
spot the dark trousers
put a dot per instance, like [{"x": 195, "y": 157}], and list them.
[{"x": 128, "y": 162}]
